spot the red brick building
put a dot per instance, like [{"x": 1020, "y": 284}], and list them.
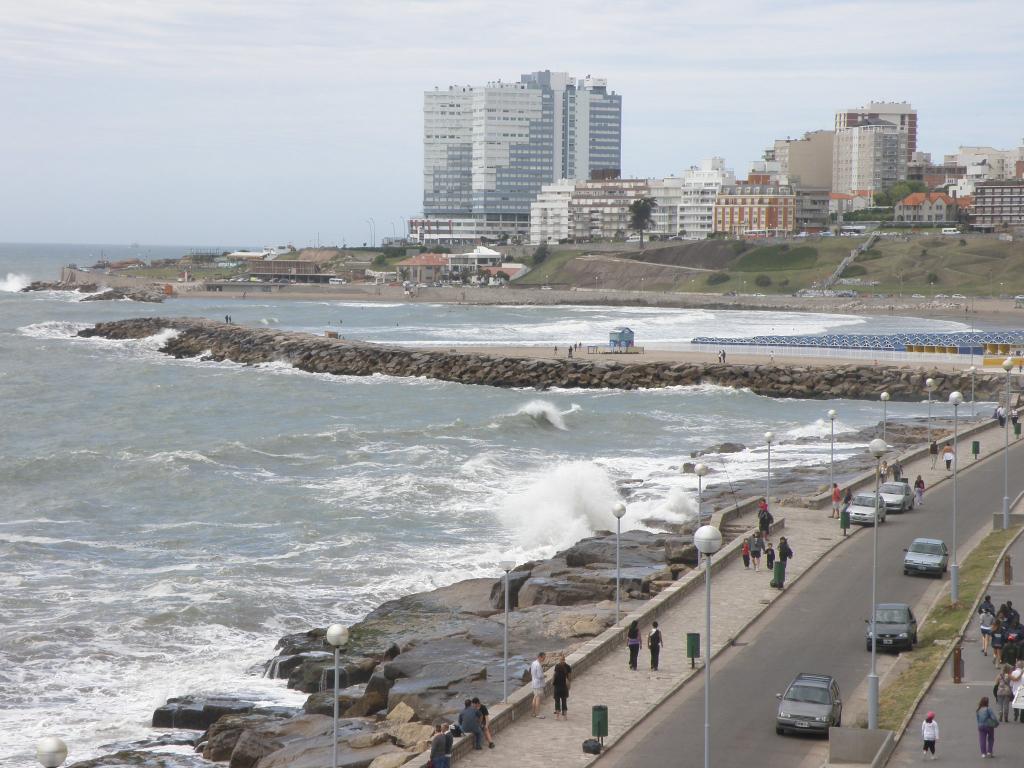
[{"x": 755, "y": 209}]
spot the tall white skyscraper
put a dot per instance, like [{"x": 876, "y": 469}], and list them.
[{"x": 488, "y": 150}]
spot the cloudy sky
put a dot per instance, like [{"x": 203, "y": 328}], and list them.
[{"x": 226, "y": 122}]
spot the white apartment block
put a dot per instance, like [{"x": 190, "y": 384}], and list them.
[
  {"x": 898, "y": 113},
  {"x": 549, "y": 213},
  {"x": 871, "y": 155},
  {"x": 986, "y": 164},
  {"x": 701, "y": 185}
]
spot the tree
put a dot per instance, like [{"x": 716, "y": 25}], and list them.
[
  {"x": 640, "y": 215},
  {"x": 898, "y": 191},
  {"x": 541, "y": 254}
]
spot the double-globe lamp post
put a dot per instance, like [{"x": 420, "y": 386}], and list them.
[
  {"x": 51, "y": 751},
  {"x": 955, "y": 399},
  {"x": 877, "y": 448},
  {"x": 930, "y": 383},
  {"x": 708, "y": 541},
  {"x": 506, "y": 566},
  {"x": 618, "y": 510},
  {"x": 1007, "y": 366},
  {"x": 832, "y": 450},
  {"x": 337, "y": 636},
  {"x": 768, "y": 437},
  {"x": 885, "y": 402}
]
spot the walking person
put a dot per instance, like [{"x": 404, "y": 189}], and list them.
[
  {"x": 633, "y": 643},
  {"x": 929, "y": 735},
  {"x": 985, "y": 621},
  {"x": 933, "y": 449},
  {"x": 537, "y": 684},
  {"x": 987, "y": 724},
  {"x": 1015, "y": 685},
  {"x": 897, "y": 470},
  {"x": 837, "y": 499},
  {"x": 756, "y": 547},
  {"x": 654, "y": 643},
  {"x": 998, "y": 638},
  {"x": 769, "y": 556},
  {"x": 884, "y": 471},
  {"x": 948, "y": 457},
  {"x": 919, "y": 491},
  {"x": 562, "y": 680},
  {"x": 745, "y": 552},
  {"x": 764, "y": 519},
  {"x": 785, "y": 553},
  {"x": 1004, "y": 693}
]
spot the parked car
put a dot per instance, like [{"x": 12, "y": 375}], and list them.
[
  {"x": 959, "y": 296},
  {"x": 928, "y": 556},
  {"x": 811, "y": 703},
  {"x": 895, "y": 625},
  {"x": 862, "y": 509},
  {"x": 917, "y": 296},
  {"x": 941, "y": 296},
  {"x": 897, "y": 497}
]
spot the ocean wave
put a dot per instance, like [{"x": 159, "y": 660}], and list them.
[
  {"x": 53, "y": 329},
  {"x": 818, "y": 428},
  {"x": 545, "y": 413},
  {"x": 14, "y": 282}
]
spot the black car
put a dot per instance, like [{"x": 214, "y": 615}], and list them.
[
  {"x": 810, "y": 704},
  {"x": 896, "y": 627}
]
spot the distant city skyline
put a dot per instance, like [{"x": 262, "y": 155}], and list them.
[{"x": 264, "y": 123}]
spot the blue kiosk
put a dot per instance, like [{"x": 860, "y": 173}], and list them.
[{"x": 620, "y": 339}]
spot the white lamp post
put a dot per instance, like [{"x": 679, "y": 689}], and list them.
[
  {"x": 708, "y": 540},
  {"x": 506, "y": 566},
  {"x": 337, "y": 635},
  {"x": 1007, "y": 366},
  {"x": 877, "y": 448},
  {"x": 930, "y": 383},
  {"x": 885, "y": 402},
  {"x": 973, "y": 370},
  {"x": 955, "y": 398},
  {"x": 832, "y": 450},
  {"x": 768, "y": 437},
  {"x": 618, "y": 510},
  {"x": 700, "y": 470},
  {"x": 51, "y": 751}
]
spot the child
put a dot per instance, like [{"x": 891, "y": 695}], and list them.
[
  {"x": 929, "y": 734},
  {"x": 746, "y": 554},
  {"x": 769, "y": 556}
]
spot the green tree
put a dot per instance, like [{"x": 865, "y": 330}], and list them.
[
  {"x": 898, "y": 191},
  {"x": 640, "y": 215},
  {"x": 541, "y": 254}
]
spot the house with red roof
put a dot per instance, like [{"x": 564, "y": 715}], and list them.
[
  {"x": 927, "y": 208},
  {"x": 424, "y": 268}
]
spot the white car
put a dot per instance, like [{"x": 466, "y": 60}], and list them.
[
  {"x": 917, "y": 296},
  {"x": 863, "y": 507},
  {"x": 941, "y": 296},
  {"x": 959, "y": 296}
]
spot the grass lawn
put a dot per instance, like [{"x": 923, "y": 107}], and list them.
[
  {"x": 548, "y": 271},
  {"x": 939, "y": 631}
]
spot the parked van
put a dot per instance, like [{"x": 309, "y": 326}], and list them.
[
  {"x": 337, "y": 281},
  {"x": 950, "y": 231}
]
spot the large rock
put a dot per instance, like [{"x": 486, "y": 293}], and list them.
[
  {"x": 515, "y": 582},
  {"x": 323, "y": 703},
  {"x": 402, "y": 713},
  {"x": 198, "y": 713},
  {"x": 222, "y": 737},
  {"x": 142, "y": 759},
  {"x": 542, "y": 591}
]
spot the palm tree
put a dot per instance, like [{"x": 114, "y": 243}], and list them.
[{"x": 640, "y": 215}]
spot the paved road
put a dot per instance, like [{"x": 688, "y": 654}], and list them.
[{"x": 818, "y": 627}]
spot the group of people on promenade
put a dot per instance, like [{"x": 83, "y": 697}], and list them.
[
  {"x": 655, "y": 642},
  {"x": 948, "y": 455},
  {"x": 1001, "y": 631}
]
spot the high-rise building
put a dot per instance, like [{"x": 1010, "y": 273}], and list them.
[
  {"x": 900, "y": 114},
  {"x": 488, "y": 150},
  {"x": 805, "y": 162},
  {"x": 871, "y": 155}
]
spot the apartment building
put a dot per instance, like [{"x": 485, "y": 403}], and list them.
[
  {"x": 899, "y": 114},
  {"x": 998, "y": 205},
  {"x": 599, "y": 210},
  {"x": 805, "y": 162},
  {"x": 871, "y": 155},
  {"x": 986, "y": 164},
  {"x": 549, "y": 213},
  {"x": 746, "y": 210}
]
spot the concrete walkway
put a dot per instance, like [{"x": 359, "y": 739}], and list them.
[
  {"x": 954, "y": 705},
  {"x": 739, "y": 596}
]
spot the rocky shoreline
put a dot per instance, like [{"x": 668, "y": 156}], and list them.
[
  {"x": 209, "y": 340},
  {"x": 145, "y": 293}
]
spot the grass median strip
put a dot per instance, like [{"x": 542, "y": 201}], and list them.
[{"x": 940, "y": 630}]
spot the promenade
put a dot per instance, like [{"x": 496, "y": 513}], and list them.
[{"x": 739, "y": 597}]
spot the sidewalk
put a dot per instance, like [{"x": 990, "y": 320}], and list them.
[
  {"x": 954, "y": 705},
  {"x": 739, "y": 596}
]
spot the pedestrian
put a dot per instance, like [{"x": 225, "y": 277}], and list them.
[
  {"x": 837, "y": 499},
  {"x": 570, "y": 353},
  {"x": 227, "y": 319},
  {"x": 1015, "y": 684},
  {"x": 1014, "y": 416},
  {"x": 769, "y": 556},
  {"x": 469, "y": 722},
  {"x": 633, "y": 643},
  {"x": 919, "y": 491},
  {"x": 438, "y": 759},
  {"x": 1001, "y": 416},
  {"x": 933, "y": 449},
  {"x": 847, "y": 499},
  {"x": 986, "y": 604},
  {"x": 764, "y": 519},
  {"x": 785, "y": 555},
  {"x": 987, "y": 724},
  {"x": 1012, "y": 614},
  {"x": 985, "y": 621},
  {"x": 884, "y": 471},
  {"x": 1011, "y": 648},
  {"x": 723, "y": 356},
  {"x": 1004, "y": 693},
  {"x": 897, "y": 471},
  {"x": 756, "y": 547},
  {"x": 929, "y": 735},
  {"x": 562, "y": 680},
  {"x": 485, "y": 721},
  {"x": 948, "y": 457},
  {"x": 745, "y": 552},
  {"x": 537, "y": 683},
  {"x": 998, "y": 638},
  {"x": 654, "y": 643}
]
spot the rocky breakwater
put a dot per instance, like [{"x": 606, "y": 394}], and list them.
[
  {"x": 218, "y": 341},
  {"x": 415, "y": 659},
  {"x": 98, "y": 294}
]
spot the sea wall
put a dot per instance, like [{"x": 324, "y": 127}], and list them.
[{"x": 316, "y": 354}]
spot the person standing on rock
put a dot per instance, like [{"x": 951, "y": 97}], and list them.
[
  {"x": 562, "y": 680},
  {"x": 438, "y": 758},
  {"x": 633, "y": 643},
  {"x": 837, "y": 498},
  {"x": 537, "y": 684},
  {"x": 756, "y": 546},
  {"x": 654, "y": 643}
]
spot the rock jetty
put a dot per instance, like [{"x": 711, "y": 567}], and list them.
[
  {"x": 211, "y": 340},
  {"x": 146, "y": 293}
]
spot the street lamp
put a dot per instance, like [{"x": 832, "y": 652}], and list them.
[
  {"x": 1007, "y": 366},
  {"x": 337, "y": 635},
  {"x": 955, "y": 398},
  {"x": 877, "y": 448},
  {"x": 885, "y": 402},
  {"x": 930, "y": 383},
  {"x": 832, "y": 450},
  {"x": 768, "y": 437},
  {"x": 700, "y": 470},
  {"x": 506, "y": 566},
  {"x": 974, "y": 369},
  {"x": 618, "y": 510},
  {"x": 708, "y": 540},
  {"x": 51, "y": 751}
]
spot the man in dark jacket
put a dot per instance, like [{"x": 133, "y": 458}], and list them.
[
  {"x": 785, "y": 555},
  {"x": 438, "y": 758},
  {"x": 469, "y": 722}
]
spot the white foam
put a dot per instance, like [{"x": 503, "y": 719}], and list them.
[
  {"x": 547, "y": 413},
  {"x": 818, "y": 428},
  {"x": 53, "y": 329},
  {"x": 14, "y": 282}
]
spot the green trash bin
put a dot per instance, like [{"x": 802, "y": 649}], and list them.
[
  {"x": 779, "y": 575},
  {"x": 1016, "y": 429},
  {"x": 976, "y": 448},
  {"x": 599, "y": 721},
  {"x": 692, "y": 647}
]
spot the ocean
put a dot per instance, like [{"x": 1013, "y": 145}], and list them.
[{"x": 165, "y": 521}]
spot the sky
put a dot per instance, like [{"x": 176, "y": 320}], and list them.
[{"x": 224, "y": 122}]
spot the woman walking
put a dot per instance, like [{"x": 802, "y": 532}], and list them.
[
  {"x": 633, "y": 643},
  {"x": 985, "y": 622},
  {"x": 1016, "y": 680},
  {"x": 1004, "y": 693},
  {"x": 987, "y": 724},
  {"x": 929, "y": 735},
  {"x": 998, "y": 638},
  {"x": 948, "y": 457},
  {"x": 919, "y": 491},
  {"x": 562, "y": 679},
  {"x": 756, "y": 546}
]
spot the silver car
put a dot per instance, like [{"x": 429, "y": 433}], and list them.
[
  {"x": 863, "y": 507},
  {"x": 897, "y": 496},
  {"x": 811, "y": 703},
  {"x": 928, "y": 556}
]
